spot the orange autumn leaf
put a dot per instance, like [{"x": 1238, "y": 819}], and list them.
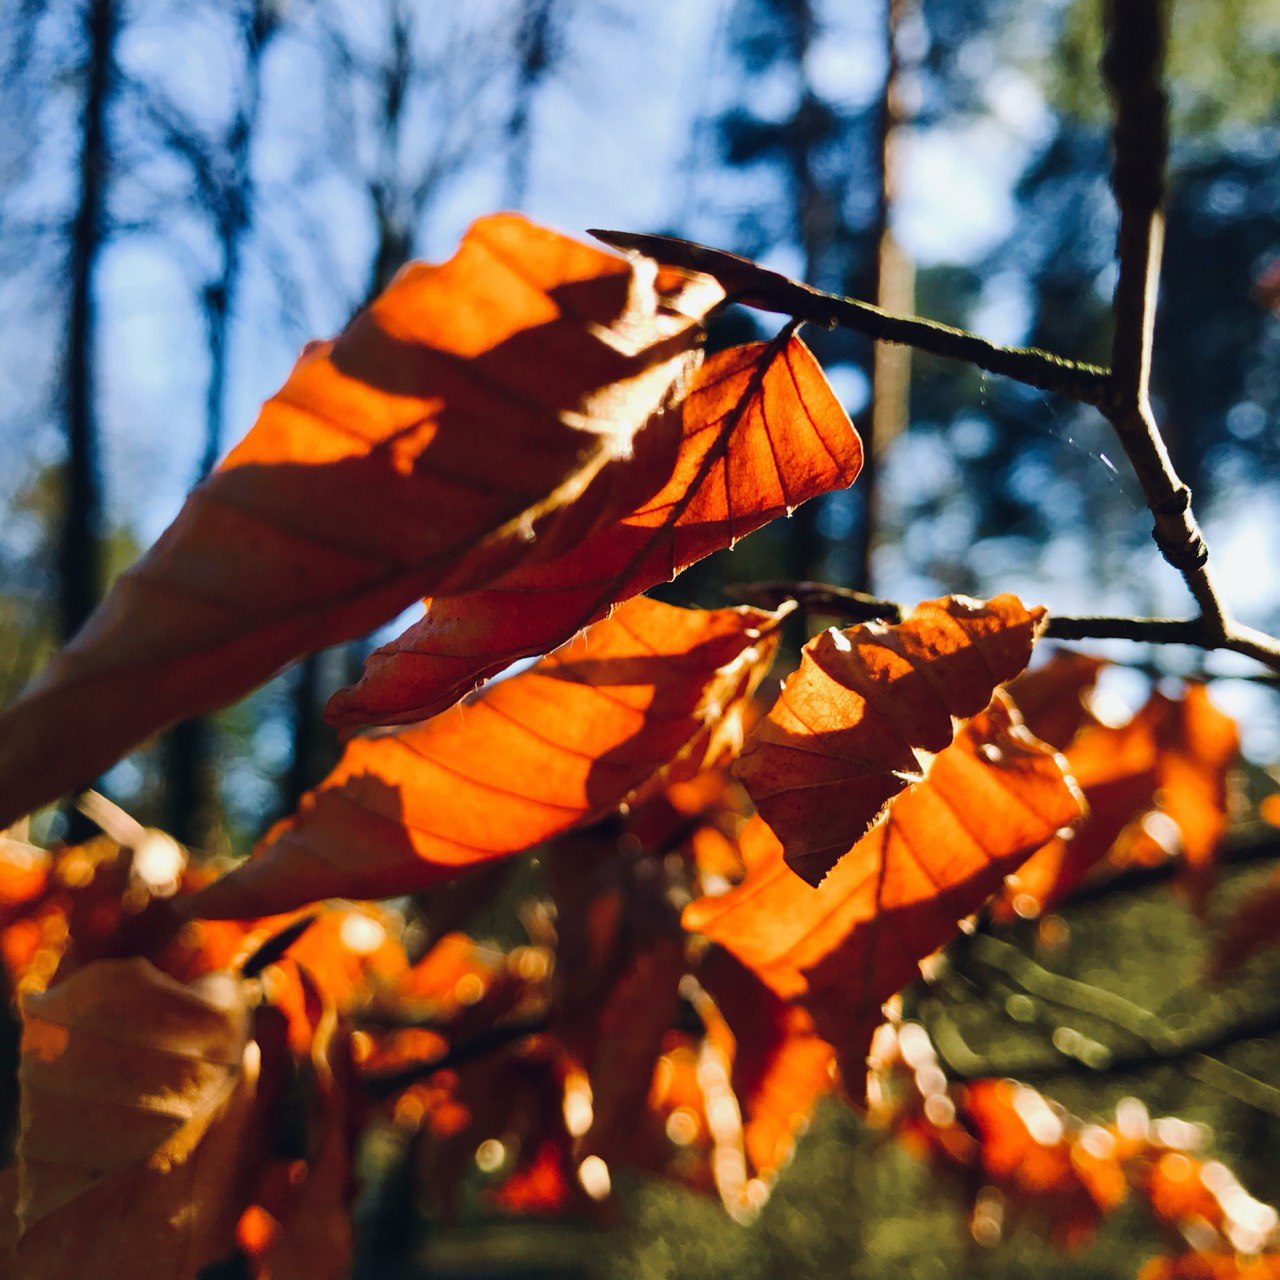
[
  {"x": 1198, "y": 746},
  {"x": 780, "y": 1067},
  {"x": 24, "y": 873},
  {"x": 619, "y": 1047},
  {"x": 136, "y": 1093},
  {"x": 861, "y": 718},
  {"x": 435, "y": 442},
  {"x": 537, "y": 755},
  {"x": 1116, "y": 769},
  {"x": 1053, "y": 698},
  {"x": 619, "y": 959},
  {"x": 314, "y": 1237},
  {"x": 1156, "y": 788},
  {"x": 843, "y": 948},
  {"x": 759, "y": 433}
]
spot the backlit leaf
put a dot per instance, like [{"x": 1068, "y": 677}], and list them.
[
  {"x": 1116, "y": 769},
  {"x": 780, "y": 1067},
  {"x": 313, "y": 1236},
  {"x": 867, "y": 709},
  {"x": 843, "y": 948},
  {"x": 1156, "y": 788},
  {"x": 536, "y": 755},
  {"x": 1053, "y": 698},
  {"x": 1198, "y": 747},
  {"x": 759, "y": 433},
  {"x": 434, "y": 443}
]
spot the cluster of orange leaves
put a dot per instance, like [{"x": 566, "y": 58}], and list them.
[
  {"x": 1015, "y": 1155},
  {"x": 525, "y": 438}
]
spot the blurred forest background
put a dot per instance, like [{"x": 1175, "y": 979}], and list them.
[{"x": 189, "y": 191}]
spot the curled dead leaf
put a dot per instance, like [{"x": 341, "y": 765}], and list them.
[{"x": 865, "y": 713}]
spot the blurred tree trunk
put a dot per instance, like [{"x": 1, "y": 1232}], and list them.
[
  {"x": 395, "y": 215},
  {"x": 431, "y": 85},
  {"x": 816, "y": 220},
  {"x": 535, "y": 54},
  {"x": 222, "y": 168},
  {"x": 889, "y": 284},
  {"x": 79, "y": 544}
]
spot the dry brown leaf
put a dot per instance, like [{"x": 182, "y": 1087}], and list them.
[
  {"x": 434, "y": 443},
  {"x": 843, "y": 948},
  {"x": 536, "y": 755},
  {"x": 759, "y": 433},
  {"x": 867, "y": 709},
  {"x": 135, "y": 1094}
]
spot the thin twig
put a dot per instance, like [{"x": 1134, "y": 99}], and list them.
[
  {"x": 755, "y": 286},
  {"x": 855, "y": 606},
  {"x": 386, "y": 1084},
  {"x": 1157, "y": 1044}
]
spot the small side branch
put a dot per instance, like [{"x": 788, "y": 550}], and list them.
[
  {"x": 1153, "y": 1042},
  {"x": 755, "y": 286},
  {"x": 386, "y": 1084},
  {"x": 855, "y": 606}
]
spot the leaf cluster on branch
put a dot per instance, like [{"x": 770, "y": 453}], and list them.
[{"x": 525, "y": 437}]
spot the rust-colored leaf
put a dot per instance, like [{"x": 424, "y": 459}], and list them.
[
  {"x": 867, "y": 709},
  {"x": 618, "y": 964},
  {"x": 843, "y": 948},
  {"x": 1116, "y": 769},
  {"x": 780, "y": 1069},
  {"x": 434, "y": 443},
  {"x": 759, "y": 433},
  {"x": 135, "y": 1090},
  {"x": 1156, "y": 788},
  {"x": 313, "y": 1236},
  {"x": 1198, "y": 748},
  {"x": 559, "y": 745},
  {"x": 1052, "y": 699}
]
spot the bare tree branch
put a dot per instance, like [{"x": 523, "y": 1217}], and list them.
[
  {"x": 854, "y": 606},
  {"x": 756, "y": 286}
]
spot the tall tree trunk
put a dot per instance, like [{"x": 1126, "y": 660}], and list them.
[
  {"x": 534, "y": 56},
  {"x": 889, "y": 283},
  {"x": 814, "y": 225},
  {"x": 313, "y": 750},
  {"x": 190, "y": 799},
  {"x": 79, "y": 544}
]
